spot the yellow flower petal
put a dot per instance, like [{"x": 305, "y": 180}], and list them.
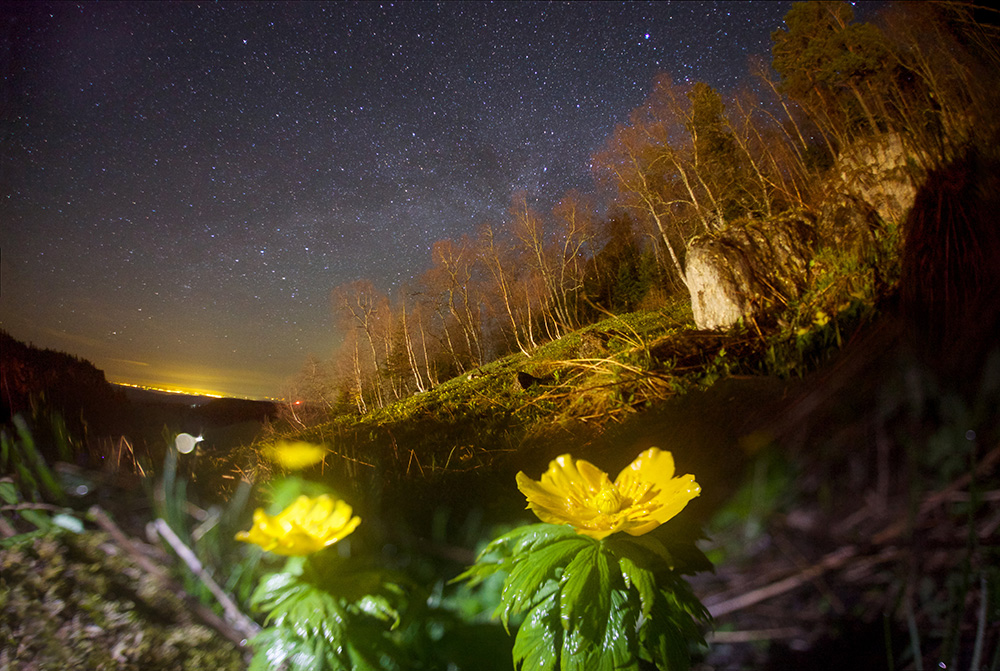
[
  {"x": 306, "y": 526},
  {"x": 643, "y": 496},
  {"x": 295, "y": 455}
]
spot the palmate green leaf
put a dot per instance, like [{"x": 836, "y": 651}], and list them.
[
  {"x": 295, "y": 604},
  {"x": 538, "y": 535},
  {"x": 504, "y": 551},
  {"x": 612, "y": 653},
  {"x": 621, "y": 640},
  {"x": 526, "y": 538},
  {"x": 272, "y": 589},
  {"x": 478, "y": 572},
  {"x": 322, "y": 621},
  {"x": 533, "y": 570},
  {"x": 591, "y": 605},
  {"x": 582, "y": 597},
  {"x": 543, "y": 592},
  {"x": 538, "y": 643},
  {"x": 642, "y": 580},
  {"x": 663, "y": 637},
  {"x": 598, "y": 615},
  {"x": 280, "y": 648},
  {"x": 683, "y": 600},
  {"x": 674, "y": 624},
  {"x": 293, "y": 647},
  {"x": 644, "y": 550},
  {"x": 496, "y": 556},
  {"x": 378, "y": 607},
  {"x": 352, "y": 580},
  {"x": 501, "y": 546}
]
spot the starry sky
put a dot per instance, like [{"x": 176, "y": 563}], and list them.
[{"x": 183, "y": 184}]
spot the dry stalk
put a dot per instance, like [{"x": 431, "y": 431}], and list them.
[{"x": 140, "y": 553}]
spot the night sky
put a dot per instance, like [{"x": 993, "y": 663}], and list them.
[{"x": 183, "y": 184}]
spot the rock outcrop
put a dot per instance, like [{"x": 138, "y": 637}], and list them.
[
  {"x": 735, "y": 272},
  {"x": 881, "y": 173}
]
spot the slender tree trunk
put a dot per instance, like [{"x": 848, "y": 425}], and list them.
[
  {"x": 359, "y": 397},
  {"x": 432, "y": 376},
  {"x": 411, "y": 358},
  {"x": 451, "y": 344},
  {"x": 495, "y": 265}
]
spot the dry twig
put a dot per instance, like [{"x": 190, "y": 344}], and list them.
[{"x": 139, "y": 553}]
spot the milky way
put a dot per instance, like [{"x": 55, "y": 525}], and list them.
[{"x": 184, "y": 184}]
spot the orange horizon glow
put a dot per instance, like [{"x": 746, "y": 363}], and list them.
[
  {"x": 168, "y": 390},
  {"x": 190, "y": 391},
  {"x": 200, "y": 381}
]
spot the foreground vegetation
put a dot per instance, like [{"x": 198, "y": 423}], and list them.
[
  {"x": 433, "y": 481},
  {"x": 844, "y": 433}
]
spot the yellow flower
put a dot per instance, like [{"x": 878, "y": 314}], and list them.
[
  {"x": 643, "y": 496},
  {"x": 306, "y": 526},
  {"x": 295, "y": 455}
]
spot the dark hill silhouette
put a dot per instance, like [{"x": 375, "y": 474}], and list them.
[
  {"x": 40, "y": 383},
  {"x": 36, "y": 380}
]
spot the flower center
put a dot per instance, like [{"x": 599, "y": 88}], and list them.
[{"x": 608, "y": 501}]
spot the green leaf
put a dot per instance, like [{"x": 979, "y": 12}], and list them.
[
  {"x": 538, "y": 535},
  {"x": 477, "y": 573},
  {"x": 642, "y": 579},
  {"x": 621, "y": 638},
  {"x": 539, "y": 638},
  {"x": 341, "y": 619},
  {"x": 364, "y": 658},
  {"x": 585, "y": 607},
  {"x": 515, "y": 542},
  {"x": 504, "y": 551},
  {"x": 513, "y": 602},
  {"x": 533, "y": 569},
  {"x": 36, "y": 517},
  {"x": 28, "y": 452},
  {"x": 378, "y": 607},
  {"x": 673, "y": 625},
  {"x": 274, "y": 646},
  {"x": 664, "y": 639},
  {"x": 273, "y": 589},
  {"x": 580, "y": 582},
  {"x": 8, "y": 492},
  {"x": 296, "y": 604},
  {"x": 653, "y": 551},
  {"x": 580, "y": 653},
  {"x": 501, "y": 545}
]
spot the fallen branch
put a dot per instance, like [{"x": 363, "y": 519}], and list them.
[
  {"x": 833, "y": 560},
  {"x": 243, "y": 624},
  {"x": 138, "y": 552},
  {"x": 839, "y": 558},
  {"x": 750, "y": 635},
  {"x": 984, "y": 467}
]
